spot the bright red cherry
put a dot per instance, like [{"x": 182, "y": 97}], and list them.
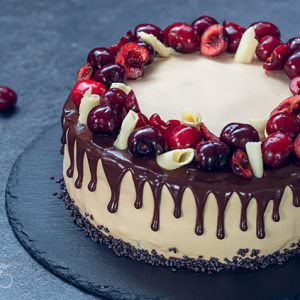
[
  {"x": 234, "y": 34},
  {"x": 184, "y": 136},
  {"x": 109, "y": 74},
  {"x": 82, "y": 86},
  {"x": 212, "y": 155},
  {"x": 276, "y": 149},
  {"x": 265, "y": 28},
  {"x": 105, "y": 119},
  {"x": 8, "y": 98},
  {"x": 181, "y": 37},
  {"x": 114, "y": 97},
  {"x": 294, "y": 44},
  {"x": 145, "y": 142},
  {"x": 292, "y": 66},
  {"x": 278, "y": 58},
  {"x": 295, "y": 86},
  {"x": 202, "y": 23},
  {"x": 100, "y": 57},
  {"x": 151, "y": 29},
  {"x": 156, "y": 122},
  {"x": 237, "y": 135},
  {"x": 284, "y": 122},
  {"x": 168, "y": 128},
  {"x": 266, "y": 46},
  {"x": 240, "y": 165},
  {"x": 84, "y": 73}
]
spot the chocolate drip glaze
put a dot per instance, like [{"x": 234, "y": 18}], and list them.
[{"x": 81, "y": 142}]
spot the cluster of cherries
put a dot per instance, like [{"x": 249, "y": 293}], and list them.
[{"x": 127, "y": 59}]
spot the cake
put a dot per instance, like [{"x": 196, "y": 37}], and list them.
[{"x": 158, "y": 182}]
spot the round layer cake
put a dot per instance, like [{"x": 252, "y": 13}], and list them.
[{"x": 211, "y": 209}]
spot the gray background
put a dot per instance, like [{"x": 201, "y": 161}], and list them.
[{"x": 42, "y": 43}]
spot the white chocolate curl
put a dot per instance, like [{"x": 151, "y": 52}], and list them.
[
  {"x": 255, "y": 157},
  {"x": 156, "y": 44},
  {"x": 175, "y": 159},
  {"x": 247, "y": 47},
  {"x": 127, "y": 127},
  {"x": 259, "y": 125},
  {"x": 190, "y": 118},
  {"x": 121, "y": 86},
  {"x": 88, "y": 102}
]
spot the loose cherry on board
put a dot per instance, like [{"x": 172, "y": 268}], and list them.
[
  {"x": 202, "y": 23},
  {"x": 82, "y": 86},
  {"x": 8, "y": 98}
]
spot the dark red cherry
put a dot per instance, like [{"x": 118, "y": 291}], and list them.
[
  {"x": 240, "y": 165},
  {"x": 181, "y": 37},
  {"x": 290, "y": 104},
  {"x": 145, "y": 142},
  {"x": 104, "y": 119},
  {"x": 294, "y": 44},
  {"x": 237, "y": 135},
  {"x": 278, "y": 58},
  {"x": 131, "y": 103},
  {"x": 266, "y": 46},
  {"x": 151, "y": 29},
  {"x": 8, "y": 98},
  {"x": 295, "y": 86},
  {"x": 109, "y": 74},
  {"x": 265, "y": 28},
  {"x": 284, "y": 122},
  {"x": 276, "y": 149},
  {"x": 292, "y": 65},
  {"x": 114, "y": 97},
  {"x": 156, "y": 122},
  {"x": 184, "y": 136},
  {"x": 100, "y": 57},
  {"x": 142, "y": 120},
  {"x": 202, "y": 23},
  {"x": 212, "y": 155},
  {"x": 150, "y": 50},
  {"x": 234, "y": 34}
]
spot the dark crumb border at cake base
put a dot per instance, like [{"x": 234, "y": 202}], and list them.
[{"x": 121, "y": 248}]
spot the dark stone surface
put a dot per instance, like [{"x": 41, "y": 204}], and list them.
[
  {"x": 44, "y": 227},
  {"x": 42, "y": 44}
]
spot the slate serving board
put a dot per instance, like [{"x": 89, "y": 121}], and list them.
[{"x": 45, "y": 229}]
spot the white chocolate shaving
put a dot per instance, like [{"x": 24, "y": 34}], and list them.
[
  {"x": 121, "y": 86},
  {"x": 247, "y": 47},
  {"x": 259, "y": 125},
  {"x": 175, "y": 159},
  {"x": 88, "y": 102},
  {"x": 127, "y": 127},
  {"x": 255, "y": 157},
  {"x": 190, "y": 118},
  {"x": 156, "y": 44}
]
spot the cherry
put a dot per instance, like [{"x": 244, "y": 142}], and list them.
[
  {"x": 213, "y": 41},
  {"x": 156, "y": 122},
  {"x": 297, "y": 146},
  {"x": 142, "y": 120},
  {"x": 237, "y": 135},
  {"x": 266, "y": 46},
  {"x": 265, "y": 28},
  {"x": 207, "y": 134},
  {"x": 276, "y": 149},
  {"x": 184, "y": 136},
  {"x": 168, "y": 128},
  {"x": 150, "y": 50},
  {"x": 151, "y": 29},
  {"x": 234, "y": 34},
  {"x": 99, "y": 57},
  {"x": 82, "y": 86},
  {"x": 181, "y": 37},
  {"x": 114, "y": 97},
  {"x": 290, "y": 104},
  {"x": 131, "y": 103},
  {"x": 8, "y": 98},
  {"x": 109, "y": 74},
  {"x": 292, "y": 66},
  {"x": 240, "y": 165},
  {"x": 212, "y": 155},
  {"x": 84, "y": 73},
  {"x": 295, "y": 86},
  {"x": 126, "y": 38},
  {"x": 145, "y": 142},
  {"x": 133, "y": 58},
  {"x": 284, "y": 122},
  {"x": 294, "y": 44},
  {"x": 278, "y": 58},
  {"x": 202, "y": 23}
]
